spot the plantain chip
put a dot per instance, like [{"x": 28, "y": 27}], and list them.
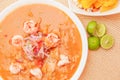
[
  {"x": 108, "y": 5},
  {"x": 87, "y": 3}
]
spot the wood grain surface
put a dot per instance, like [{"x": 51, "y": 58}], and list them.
[{"x": 101, "y": 64}]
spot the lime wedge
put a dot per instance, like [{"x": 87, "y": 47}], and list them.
[
  {"x": 91, "y": 27},
  {"x": 107, "y": 41},
  {"x": 100, "y": 30},
  {"x": 93, "y": 43}
]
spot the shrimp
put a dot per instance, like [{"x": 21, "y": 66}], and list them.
[
  {"x": 17, "y": 40},
  {"x": 36, "y": 72},
  {"x": 51, "y": 40},
  {"x": 63, "y": 60},
  {"x": 30, "y": 27},
  {"x": 15, "y": 68}
]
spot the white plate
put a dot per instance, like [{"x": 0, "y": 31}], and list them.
[
  {"x": 74, "y": 18},
  {"x": 77, "y": 10}
]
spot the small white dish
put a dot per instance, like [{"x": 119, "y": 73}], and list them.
[{"x": 77, "y": 10}]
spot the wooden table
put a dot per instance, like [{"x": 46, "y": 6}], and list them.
[{"x": 101, "y": 64}]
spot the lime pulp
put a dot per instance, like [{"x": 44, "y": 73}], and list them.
[
  {"x": 107, "y": 41},
  {"x": 100, "y": 30}
]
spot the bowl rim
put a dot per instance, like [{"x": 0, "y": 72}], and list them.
[{"x": 69, "y": 13}]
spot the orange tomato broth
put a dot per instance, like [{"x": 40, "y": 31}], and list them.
[{"x": 53, "y": 20}]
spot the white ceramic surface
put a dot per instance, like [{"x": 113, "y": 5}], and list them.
[
  {"x": 77, "y": 10},
  {"x": 78, "y": 23}
]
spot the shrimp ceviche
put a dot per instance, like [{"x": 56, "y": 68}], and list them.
[
  {"x": 96, "y": 5},
  {"x": 41, "y": 43}
]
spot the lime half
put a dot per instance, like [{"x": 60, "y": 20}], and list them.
[
  {"x": 93, "y": 43},
  {"x": 100, "y": 30},
  {"x": 107, "y": 41}
]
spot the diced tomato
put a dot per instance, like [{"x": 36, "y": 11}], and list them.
[
  {"x": 36, "y": 50},
  {"x": 40, "y": 43},
  {"x": 39, "y": 62}
]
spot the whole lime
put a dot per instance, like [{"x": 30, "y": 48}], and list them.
[
  {"x": 91, "y": 27},
  {"x": 93, "y": 43}
]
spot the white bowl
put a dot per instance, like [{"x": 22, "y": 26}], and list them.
[
  {"x": 77, "y": 10},
  {"x": 74, "y": 18}
]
